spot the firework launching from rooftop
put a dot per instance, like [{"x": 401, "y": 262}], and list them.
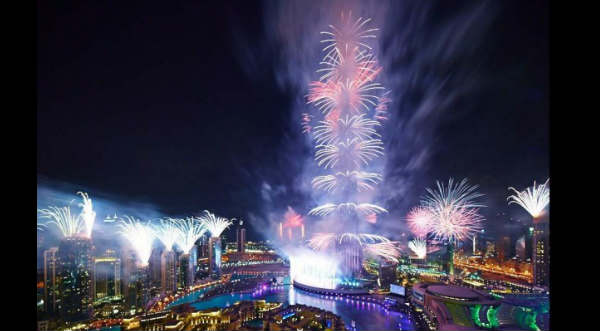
[
  {"x": 214, "y": 224},
  {"x": 68, "y": 224},
  {"x": 88, "y": 214},
  {"x": 533, "y": 199},
  {"x": 139, "y": 235}
]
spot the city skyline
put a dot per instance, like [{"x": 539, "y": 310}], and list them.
[{"x": 274, "y": 165}]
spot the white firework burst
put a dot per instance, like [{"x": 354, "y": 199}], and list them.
[
  {"x": 189, "y": 230},
  {"x": 167, "y": 232},
  {"x": 215, "y": 224},
  {"x": 352, "y": 151},
  {"x": 140, "y": 236},
  {"x": 362, "y": 180},
  {"x": 331, "y": 132},
  {"x": 386, "y": 250},
  {"x": 533, "y": 199},
  {"x": 363, "y": 209},
  {"x": 68, "y": 224},
  {"x": 88, "y": 214},
  {"x": 419, "y": 247},
  {"x": 321, "y": 241}
]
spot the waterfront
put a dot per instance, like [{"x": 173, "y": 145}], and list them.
[{"x": 367, "y": 316}]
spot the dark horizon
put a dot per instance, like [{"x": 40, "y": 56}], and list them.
[{"x": 183, "y": 108}]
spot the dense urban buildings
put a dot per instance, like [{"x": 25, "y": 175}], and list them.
[{"x": 343, "y": 131}]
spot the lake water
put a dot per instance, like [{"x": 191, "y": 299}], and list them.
[{"x": 367, "y": 316}]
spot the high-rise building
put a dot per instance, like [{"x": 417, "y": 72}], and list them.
[
  {"x": 520, "y": 248},
  {"x": 214, "y": 256},
  {"x": 107, "y": 275},
  {"x": 50, "y": 279},
  {"x": 128, "y": 276},
  {"x": 241, "y": 238},
  {"x": 154, "y": 265},
  {"x": 75, "y": 278},
  {"x": 387, "y": 274},
  {"x": 541, "y": 252},
  {"x": 503, "y": 248},
  {"x": 168, "y": 272}
]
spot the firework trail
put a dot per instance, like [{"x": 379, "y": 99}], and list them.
[
  {"x": 88, "y": 214},
  {"x": 419, "y": 247},
  {"x": 139, "y": 235},
  {"x": 348, "y": 208},
  {"x": 386, "y": 250},
  {"x": 167, "y": 232},
  {"x": 215, "y": 224},
  {"x": 67, "y": 224},
  {"x": 188, "y": 230},
  {"x": 533, "y": 199},
  {"x": 322, "y": 241}
]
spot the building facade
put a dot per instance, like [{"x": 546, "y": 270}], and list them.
[
  {"x": 541, "y": 252},
  {"x": 50, "y": 279},
  {"x": 107, "y": 275},
  {"x": 168, "y": 272},
  {"x": 75, "y": 278}
]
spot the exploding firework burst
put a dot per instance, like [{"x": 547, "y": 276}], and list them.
[
  {"x": 215, "y": 225},
  {"x": 88, "y": 214},
  {"x": 363, "y": 209},
  {"x": 322, "y": 241},
  {"x": 349, "y": 37},
  {"x": 362, "y": 180},
  {"x": 419, "y": 247},
  {"x": 167, "y": 232},
  {"x": 139, "y": 235},
  {"x": 67, "y": 224},
  {"x": 455, "y": 213},
  {"x": 386, "y": 250},
  {"x": 419, "y": 220},
  {"x": 357, "y": 126},
  {"x": 351, "y": 153},
  {"x": 456, "y": 195},
  {"x": 533, "y": 199},
  {"x": 189, "y": 230}
]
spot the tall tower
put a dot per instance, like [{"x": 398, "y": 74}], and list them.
[
  {"x": 214, "y": 257},
  {"x": 541, "y": 251},
  {"x": 241, "y": 238},
  {"x": 50, "y": 279},
  {"x": 168, "y": 267},
  {"x": 107, "y": 275},
  {"x": 75, "y": 280},
  {"x": 351, "y": 106}
]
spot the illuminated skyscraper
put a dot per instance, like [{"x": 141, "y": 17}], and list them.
[
  {"x": 75, "y": 278},
  {"x": 107, "y": 275},
  {"x": 241, "y": 238},
  {"x": 503, "y": 248},
  {"x": 50, "y": 279},
  {"x": 214, "y": 256},
  {"x": 154, "y": 265},
  {"x": 168, "y": 272},
  {"x": 541, "y": 252}
]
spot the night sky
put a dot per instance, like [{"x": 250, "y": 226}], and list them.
[{"x": 181, "y": 106}]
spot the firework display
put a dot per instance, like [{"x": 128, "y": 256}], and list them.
[
  {"x": 68, "y": 224},
  {"x": 533, "y": 199},
  {"x": 139, "y": 235},
  {"x": 88, "y": 214},
  {"x": 454, "y": 211},
  {"x": 419, "y": 247},
  {"x": 167, "y": 232},
  {"x": 314, "y": 269},
  {"x": 350, "y": 105},
  {"x": 214, "y": 224},
  {"x": 419, "y": 221}
]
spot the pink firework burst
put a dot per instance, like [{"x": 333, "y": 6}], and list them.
[
  {"x": 455, "y": 224},
  {"x": 419, "y": 220}
]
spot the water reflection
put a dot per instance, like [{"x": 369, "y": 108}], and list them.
[{"x": 376, "y": 317}]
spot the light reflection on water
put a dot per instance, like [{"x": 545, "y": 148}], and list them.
[{"x": 367, "y": 316}]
